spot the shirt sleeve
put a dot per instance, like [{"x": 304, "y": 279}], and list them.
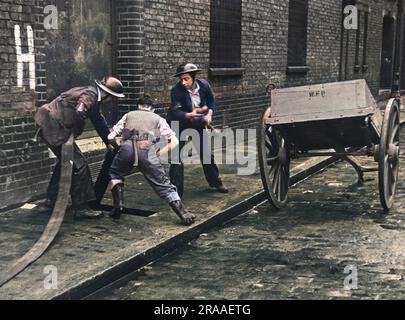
[
  {"x": 118, "y": 128},
  {"x": 165, "y": 130}
]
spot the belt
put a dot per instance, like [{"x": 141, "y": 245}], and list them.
[
  {"x": 144, "y": 137},
  {"x": 134, "y": 135}
]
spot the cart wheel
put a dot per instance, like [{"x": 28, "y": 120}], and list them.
[
  {"x": 388, "y": 158},
  {"x": 274, "y": 161}
]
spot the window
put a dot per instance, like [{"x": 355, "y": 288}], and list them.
[
  {"x": 363, "y": 12},
  {"x": 357, "y": 52},
  {"x": 225, "y": 35},
  {"x": 365, "y": 66},
  {"x": 363, "y": 17},
  {"x": 297, "y": 35}
]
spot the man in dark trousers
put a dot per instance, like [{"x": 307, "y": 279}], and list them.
[
  {"x": 192, "y": 105},
  {"x": 66, "y": 115},
  {"x": 140, "y": 131}
]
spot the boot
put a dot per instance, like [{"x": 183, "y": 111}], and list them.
[
  {"x": 118, "y": 199},
  {"x": 221, "y": 189},
  {"x": 185, "y": 217}
]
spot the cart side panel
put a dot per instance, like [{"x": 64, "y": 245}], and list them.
[
  {"x": 321, "y": 102},
  {"x": 376, "y": 119}
]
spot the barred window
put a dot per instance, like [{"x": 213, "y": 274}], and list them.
[
  {"x": 365, "y": 40},
  {"x": 357, "y": 51},
  {"x": 297, "y": 32},
  {"x": 225, "y": 33}
]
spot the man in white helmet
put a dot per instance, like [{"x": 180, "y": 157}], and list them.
[{"x": 66, "y": 115}]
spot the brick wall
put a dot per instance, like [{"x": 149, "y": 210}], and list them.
[
  {"x": 130, "y": 50},
  {"x": 372, "y": 73},
  {"x": 151, "y": 38},
  {"x": 24, "y": 164},
  {"x": 175, "y": 32},
  {"x": 323, "y": 43},
  {"x": 39, "y": 34},
  {"x": 179, "y": 31}
]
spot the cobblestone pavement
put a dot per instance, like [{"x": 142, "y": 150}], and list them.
[{"x": 300, "y": 252}]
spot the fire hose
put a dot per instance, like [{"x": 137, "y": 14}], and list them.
[{"x": 55, "y": 221}]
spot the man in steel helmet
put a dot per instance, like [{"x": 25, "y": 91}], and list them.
[
  {"x": 192, "y": 105},
  {"x": 66, "y": 115}
]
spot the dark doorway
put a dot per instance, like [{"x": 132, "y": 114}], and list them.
[
  {"x": 387, "y": 54},
  {"x": 81, "y": 49},
  {"x": 403, "y": 61}
]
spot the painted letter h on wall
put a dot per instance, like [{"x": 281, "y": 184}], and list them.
[{"x": 26, "y": 57}]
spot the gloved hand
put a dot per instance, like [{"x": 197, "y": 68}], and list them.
[{"x": 113, "y": 146}]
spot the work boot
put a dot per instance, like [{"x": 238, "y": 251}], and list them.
[
  {"x": 185, "y": 217},
  {"x": 222, "y": 189},
  {"x": 118, "y": 200}
]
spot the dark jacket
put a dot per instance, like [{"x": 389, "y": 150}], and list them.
[
  {"x": 181, "y": 102},
  {"x": 67, "y": 114}
]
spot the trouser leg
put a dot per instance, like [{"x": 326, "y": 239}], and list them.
[
  {"x": 122, "y": 163},
  {"x": 150, "y": 166},
  {"x": 176, "y": 171},
  {"x": 81, "y": 189},
  {"x": 53, "y": 186},
  {"x": 103, "y": 179},
  {"x": 211, "y": 170},
  {"x": 121, "y": 166}
]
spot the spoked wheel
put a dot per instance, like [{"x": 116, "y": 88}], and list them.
[
  {"x": 274, "y": 161},
  {"x": 388, "y": 157}
]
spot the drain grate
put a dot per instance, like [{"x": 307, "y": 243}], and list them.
[{"x": 95, "y": 169}]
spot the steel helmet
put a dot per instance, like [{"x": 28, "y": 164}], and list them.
[
  {"x": 186, "y": 68},
  {"x": 112, "y": 86}
]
